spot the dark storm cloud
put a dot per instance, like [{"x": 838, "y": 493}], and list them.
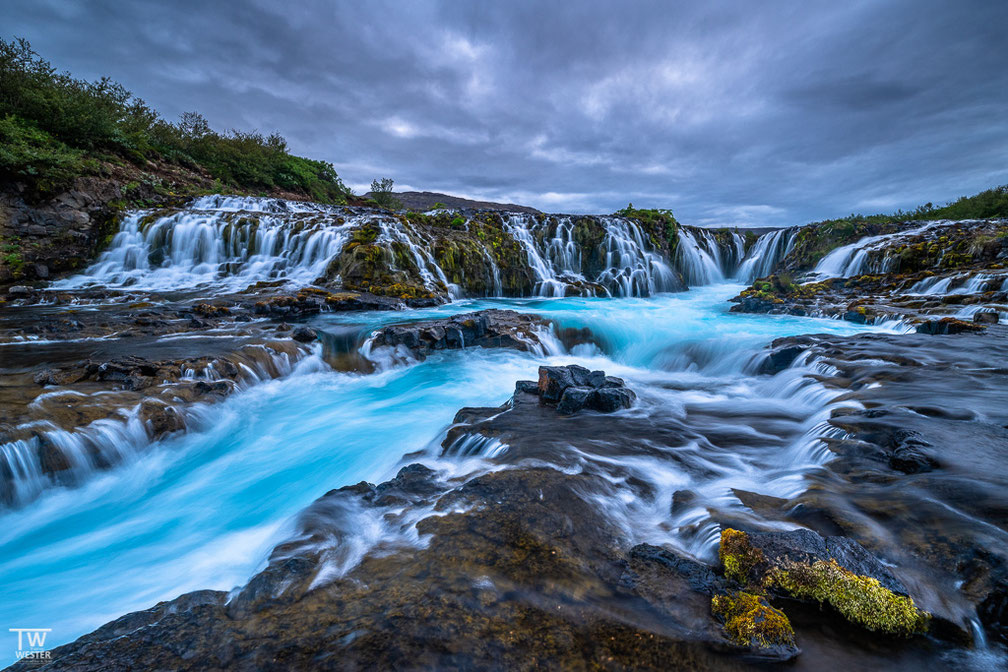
[{"x": 728, "y": 112}]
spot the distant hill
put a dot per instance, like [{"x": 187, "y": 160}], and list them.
[{"x": 425, "y": 200}]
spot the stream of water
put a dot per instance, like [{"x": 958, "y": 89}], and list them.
[{"x": 202, "y": 510}]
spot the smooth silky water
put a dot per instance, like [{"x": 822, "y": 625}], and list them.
[{"x": 202, "y": 510}]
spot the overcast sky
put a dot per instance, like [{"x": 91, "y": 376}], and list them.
[{"x": 730, "y": 113}]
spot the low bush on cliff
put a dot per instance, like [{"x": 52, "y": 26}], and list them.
[{"x": 54, "y": 127}]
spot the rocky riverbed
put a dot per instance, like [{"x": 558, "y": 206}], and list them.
[{"x": 520, "y": 562}]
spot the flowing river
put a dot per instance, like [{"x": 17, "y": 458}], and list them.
[{"x": 202, "y": 510}]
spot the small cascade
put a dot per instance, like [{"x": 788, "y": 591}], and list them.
[
  {"x": 45, "y": 454},
  {"x": 196, "y": 247},
  {"x": 432, "y": 275},
  {"x": 975, "y": 285},
  {"x": 932, "y": 285},
  {"x": 496, "y": 285},
  {"x": 630, "y": 267},
  {"x": 957, "y": 284},
  {"x": 766, "y": 253},
  {"x": 552, "y": 272},
  {"x": 699, "y": 257},
  {"x": 851, "y": 260}
]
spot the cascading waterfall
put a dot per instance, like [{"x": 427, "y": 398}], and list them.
[
  {"x": 768, "y": 251},
  {"x": 231, "y": 242},
  {"x": 632, "y": 269},
  {"x": 965, "y": 284},
  {"x": 850, "y": 260},
  {"x": 430, "y": 272},
  {"x": 552, "y": 265},
  {"x": 631, "y": 266},
  {"x": 196, "y": 247},
  {"x": 699, "y": 257}
]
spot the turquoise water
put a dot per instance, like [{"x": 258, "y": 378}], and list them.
[{"x": 203, "y": 510}]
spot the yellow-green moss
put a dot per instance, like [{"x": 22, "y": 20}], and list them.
[
  {"x": 749, "y": 620},
  {"x": 738, "y": 555},
  {"x": 859, "y": 599}
]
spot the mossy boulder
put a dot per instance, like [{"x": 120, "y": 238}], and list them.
[
  {"x": 837, "y": 571},
  {"x": 860, "y": 599},
  {"x": 749, "y": 620}
]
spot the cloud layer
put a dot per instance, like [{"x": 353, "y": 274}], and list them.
[{"x": 730, "y": 113}]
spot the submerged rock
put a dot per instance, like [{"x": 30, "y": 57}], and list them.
[{"x": 986, "y": 317}]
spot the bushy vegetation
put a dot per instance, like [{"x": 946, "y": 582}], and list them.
[
  {"x": 660, "y": 216},
  {"x": 989, "y": 204},
  {"x": 381, "y": 193},
  {"x": 54, "y": 127}
]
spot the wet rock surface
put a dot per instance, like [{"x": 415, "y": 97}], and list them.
[
  {"x": 574, "y": 388},
  {"x": 490, "y": 328},
  {"x": 510, "y": 567}
]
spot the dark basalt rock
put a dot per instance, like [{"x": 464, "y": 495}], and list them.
[
  {"x": 805, "y": 546},
  {"x": 910, "y": 459},
  {"x": 312, "y": 301},
  {"x": 993, "y": 611},
  {"x": 780, "y": 359},
  {"x": 948, "y": 325},
  {"x": 491, "y": 328},
  {"x": 700, "y": 577},
  {"x": 986, "y": 317},
  {"x": 573, "y": 388},
  {"x": 574, "y": 398},
  {"x": 304, "y": 335}
]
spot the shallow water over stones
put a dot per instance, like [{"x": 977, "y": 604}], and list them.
[{"x": 526, "y": 521}]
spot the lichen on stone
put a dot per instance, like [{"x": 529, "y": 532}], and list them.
[
  {"x": 738, "y": 556},
  {"x": 749, "y": 620},
  {"x": 859, "y": 599}
]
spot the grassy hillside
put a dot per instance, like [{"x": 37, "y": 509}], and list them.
[{"x": 55, "y": 128}]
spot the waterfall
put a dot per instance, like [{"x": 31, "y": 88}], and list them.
[
  {"x": 630, "y": 266},
  {"x": 851, "y": 260},
  {"x": 768, "y": 251},
  {"x": 554, "y": 265},
  {"x": 699, "y": 260},
  {"x": 431, "y": 273},
  {"x": 976, "y": 284},
  {"x": 932, "y": 285},
  {"x": 199, "y": 246}
]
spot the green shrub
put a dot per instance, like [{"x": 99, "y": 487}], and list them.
[
  {"x": 50, "y": 121},
  {"x": 29, "y": 153}
]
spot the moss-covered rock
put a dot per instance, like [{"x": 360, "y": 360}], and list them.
[
  {"x": 749, "y": 620},
  {"x": 860, "y": 599},
  {"x": 738, "y": 556},
  {"x": 834, "y": 570}
]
